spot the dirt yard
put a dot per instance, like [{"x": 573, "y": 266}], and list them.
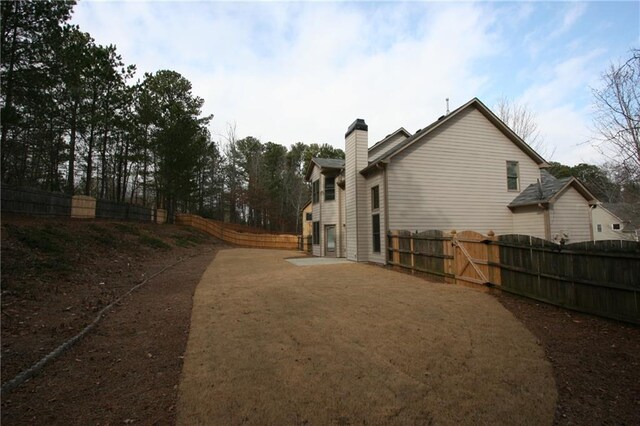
[
  {"x": 596, "y": 362},
  {"x": 274, "y": 343},
  {"x": 57, "y": 274},
  {"x": 126, "y": 370}
]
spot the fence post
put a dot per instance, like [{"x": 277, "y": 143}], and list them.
[
  {"x": 449, "y": 263},
  {"x": 493, "y": 259},
  {"x": 413, "y": 261},
  {"x": 83, "y": 207},
  {"x": 395, "y": 245}
]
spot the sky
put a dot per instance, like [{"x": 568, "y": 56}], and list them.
[{"x": 291, "y": 72}]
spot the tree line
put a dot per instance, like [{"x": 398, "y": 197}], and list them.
[{"x": 74, "y": 121}]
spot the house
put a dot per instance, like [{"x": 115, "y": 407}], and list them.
[
  {"x": 307, "y": 224},
  {"x": 562, "y": 207},
  {"x": 616, "y": 221},
  {"x": 465, "y": 171}
]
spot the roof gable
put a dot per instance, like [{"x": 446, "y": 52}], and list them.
[
  {"x": 473, "y": 103},
  {"x": 548, "y": 190},
  {"x": 380, "y": 144},
  {"x": 323, "y": 163},
  {"x": 625, "y": 212}
]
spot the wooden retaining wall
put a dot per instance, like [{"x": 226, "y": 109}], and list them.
[
  {"x": 601, "y": 277},
  {"x": 244, "y": 239}
]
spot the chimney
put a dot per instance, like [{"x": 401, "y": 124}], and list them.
[{"x": 356, "y": 158}]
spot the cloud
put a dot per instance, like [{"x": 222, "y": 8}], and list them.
[
  {"x": 302, "y": 72},
  {"x": 288, "y": 72}
]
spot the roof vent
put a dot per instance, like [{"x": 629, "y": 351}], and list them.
[
  {"x": 447, "y": 113},
  {"x": 418, "y": 130}
]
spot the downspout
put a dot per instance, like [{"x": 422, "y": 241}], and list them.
[
  {"x": 386, "y": 212},
  {"x": 321, "y": 237},
  {"x": 339, "y": 224},
  {"x": 547, "y": 222},
  {"x": 591, "y": 207}
]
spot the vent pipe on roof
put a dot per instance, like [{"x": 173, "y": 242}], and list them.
[
  {"x": 540, "y": 191},
  {"x": 447, "y": 113}
]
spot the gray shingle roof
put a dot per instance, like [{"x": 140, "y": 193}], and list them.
[
  {"x": 541, "y": 192},
  {"x": 329, "y": 163}
]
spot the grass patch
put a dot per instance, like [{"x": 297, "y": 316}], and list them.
[
  {"x": 47, "y": 239},
  {"x": 127, "y": 229},
  {"x": 106, "y": 239},
  {"x": 103, "y": 235},
  {"x": 60, "y": 265},
  {"x": 97, "y": 228},
  {"x": 188, "y": 239},
  {"x": 153, "y": 242}
]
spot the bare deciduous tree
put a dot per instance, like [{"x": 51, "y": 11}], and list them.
[
  {"x": 523, "y": 122},
  {"x": 617, "y": 119}
]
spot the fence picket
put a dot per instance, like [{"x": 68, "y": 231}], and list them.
[{"x": 601, "y": 278}]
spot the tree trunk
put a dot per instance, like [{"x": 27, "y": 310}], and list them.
[{"x": 72, "y": 149}]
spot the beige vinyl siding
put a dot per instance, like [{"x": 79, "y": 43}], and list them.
[
  {"x": 455, "y": 178},
  {"x": 329, "y": 208},
  {"x": 372, "y": 181},
  {"x": 603, "y": 217},
  {"x": 529, "y": 220},
  {"x": 317, "y": 249},
  {"x": 391, "y": 143},
  {"x": 326, "y": 212},
  {"x": 570, "y": 214},
  {"x": 356, "y": 196},
  {"x": 307, "y": 225},
  {"x": 340, "y": 235}
]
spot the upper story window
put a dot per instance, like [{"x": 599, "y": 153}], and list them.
[
  {"x": 615, "y": 226},
  {"x": 513, "y": 176},
  {"x": 329, "y": 188},
  {"x": 315, "y": 191},
  {"x": 309, "y": 216},
  {"x": 375, "y": 197},
  {"x": 599, "y": 227}
]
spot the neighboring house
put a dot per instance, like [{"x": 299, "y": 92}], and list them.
[
  {"x": 465, "y": 171},
  {"x": 306, "y": 221},
  {"x": 554, "y": 209},
  {"x": 616, "y": 221}
]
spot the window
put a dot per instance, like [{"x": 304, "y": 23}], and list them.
[
  {"x": 315, "y": 191},
  {"x": 329, "y": 188},
  {"x": 375, "y": 197},
  {"x": 615, "y": 226},
  {"x": 309, "y": 216},
  {"x": 512, "y": 176},
  {"x": 599, "y": 227},
  {"x": 316, "y": 233},
  {"x": 375, "y": 221}
]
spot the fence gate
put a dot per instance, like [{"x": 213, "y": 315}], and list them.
[{"x": 471, "y": 257}]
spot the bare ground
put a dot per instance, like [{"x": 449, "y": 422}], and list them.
[
  {"x": 273, "y": 343},
  {"x": 109, "y": 378},
  {"x": 127, "y": 369},
  {"x": 596, "y": 362}
]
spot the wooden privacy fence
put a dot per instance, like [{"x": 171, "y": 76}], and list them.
[
  {"x": 601, "y": 277},
  {"x": 28, "y": 201},
  {"x": 31, "y": 201},
  {"x": 245, "y": 239}
]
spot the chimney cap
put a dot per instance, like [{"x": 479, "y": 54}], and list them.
[{"x": 359, "y": 124}]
